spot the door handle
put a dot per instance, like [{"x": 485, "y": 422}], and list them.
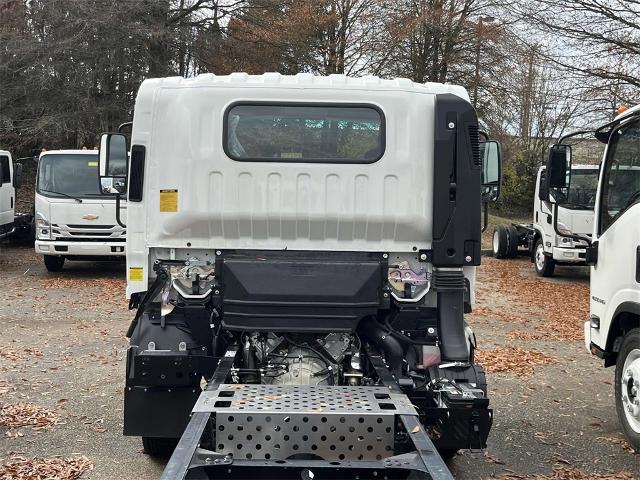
[
  {"x": 11, "y": 202},
  {"x": 638, "y": 264}
]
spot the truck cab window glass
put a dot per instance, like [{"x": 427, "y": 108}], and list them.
[
  {"x": 304, "y": 133},
  {"x": 621, "y": 182},
  {"x": 583, "y": 189},
  {"x": 5, "y": 174},
  {"x": 580, "y": 194},
  {"x": 68, "y": 175}
]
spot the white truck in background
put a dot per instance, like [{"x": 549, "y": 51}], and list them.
[
  {"x": 10, "y": 181},
  {"x": 74, "y": 218},
  {"x": 612, "y": 332},
  {"x": 547, "y": 247}
]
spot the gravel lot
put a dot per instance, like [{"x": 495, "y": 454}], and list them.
[{"x": 62, "y": 354}]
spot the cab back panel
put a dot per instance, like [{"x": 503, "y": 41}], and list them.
[{"x": 223, "y": 203}]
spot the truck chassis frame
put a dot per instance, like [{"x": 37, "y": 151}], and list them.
[{"x": 190, "y": 461}]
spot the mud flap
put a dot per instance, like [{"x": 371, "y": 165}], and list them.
[{"x": 158, "y": 411}]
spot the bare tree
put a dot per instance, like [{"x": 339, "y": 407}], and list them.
[{"x": 597, "y": 41}]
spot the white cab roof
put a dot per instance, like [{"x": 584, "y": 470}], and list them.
[
  {"x": 304, "y": 80},
  {"x": 70, "y": 152}
]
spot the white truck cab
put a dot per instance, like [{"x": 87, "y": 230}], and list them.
[
  {"x": 7, "y": 194},
  {"x": 74, "y": 218},
  {"x": 562, "y": 223},
  {"x": 10, "y": 181},
  {"x": 575, "y": 216},
  {"x": 302, "y": 228},
  {"x": 613, "y": 330}
]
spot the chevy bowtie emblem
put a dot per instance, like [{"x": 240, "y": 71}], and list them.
[{"x": 90, "y": 216}]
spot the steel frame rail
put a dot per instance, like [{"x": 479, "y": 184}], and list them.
[{"x": 190, "y": 461}]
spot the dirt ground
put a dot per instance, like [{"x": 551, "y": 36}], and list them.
[{"x": 62, "y": 354}]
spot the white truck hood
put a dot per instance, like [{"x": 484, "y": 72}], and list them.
[{"x": 578, "y": 221}]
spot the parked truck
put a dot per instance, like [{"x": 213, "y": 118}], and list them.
[
  {"x": 293, "y": 242},
  {"x": 12, "y": 223},
  {"x": 75, "y": 216},
  {"x": 575, "y": 216},
  {"x": 612, "y": 332}
]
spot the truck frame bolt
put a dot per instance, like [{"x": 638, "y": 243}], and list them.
[
  {"x": 423, "y": 257},
  {"x": 385, "y": 255},
  {"x": 218, "y": 252},
  {"x": 467, "y": 259},
  {"x": 452, "y": 125}
]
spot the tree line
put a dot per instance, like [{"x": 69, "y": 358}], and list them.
[{"x": 70, "y": 69}]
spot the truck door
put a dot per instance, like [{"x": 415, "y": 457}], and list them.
[
  {"x": 543, "y": 215},
  {"x": 614, "y": 279},
  {"x": 7, "y": 192}
]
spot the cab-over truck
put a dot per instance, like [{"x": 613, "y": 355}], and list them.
[
  {"x": 11, "y": 222},
  {"x": 301, "y": 252},
  {"x": 612, "y": 332},
  {"x": 575, "y": 217}
]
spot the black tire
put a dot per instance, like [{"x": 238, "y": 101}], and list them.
[
  {"x": 159, "y": 447},
  {"x": 448, "y": 453},
  {"x": 542, "y": 262},
  {"x": 500, "y": 242},
  {"x": 512, "y": 241},
  {"x": 53, "y": 263},
  {"x": 630, "y": 348}
]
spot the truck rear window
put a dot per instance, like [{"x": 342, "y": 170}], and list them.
[{"x": 304, "y": 133}]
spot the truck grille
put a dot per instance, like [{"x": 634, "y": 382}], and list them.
[{"x": 88, "y": 233}]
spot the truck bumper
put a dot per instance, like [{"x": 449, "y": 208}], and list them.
[
  {"x": 80, "y": 249},
  {"x": 569, "y": 255}
]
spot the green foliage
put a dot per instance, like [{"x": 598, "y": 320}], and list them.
[{"x": 519, "y": 170}]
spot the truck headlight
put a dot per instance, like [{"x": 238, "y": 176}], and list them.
[
  {"x": 563, "y": 229},
  {"x": 43, "y": 229}
]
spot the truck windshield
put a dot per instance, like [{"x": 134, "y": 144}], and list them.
[
  {"x": 304, "y": 133},
  {"x": 621, "y": 183},
  {"x": 73, "y": 175},
  {"x": 583, "y": 189}
]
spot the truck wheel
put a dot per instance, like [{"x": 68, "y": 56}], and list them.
[
  {"x": 500, "y": 242},
  {"x": 448, "y": 453},
  {"x": 159, "y": 447},
  {"x": 53, "y": 263},
  {"x": 544, "y": 264},
  {"x": 627, "y": 387},
  {"x": 512, "y": 241}
]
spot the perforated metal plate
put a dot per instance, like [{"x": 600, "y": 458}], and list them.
[{"x": 280, "y": 421}]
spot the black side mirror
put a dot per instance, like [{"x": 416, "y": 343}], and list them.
[
  {"x": 17, "y": 175},
  {"x": 113, "y": 163},
  {"x": 490, "y": 154},
  {"x": 558, "y": 172}
]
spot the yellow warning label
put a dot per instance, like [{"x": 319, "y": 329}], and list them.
[
  {"x": 168, "y": 200},
  {"x": 136, "y": 274},
  {"x": 92, "y": 164}
]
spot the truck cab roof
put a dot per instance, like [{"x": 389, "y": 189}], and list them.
[
  {"x": 274, "y": 80},
  {"x": 69, "y": 152}
]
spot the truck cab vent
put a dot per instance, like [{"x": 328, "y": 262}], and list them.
[{"x": 475, "y": 144}]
